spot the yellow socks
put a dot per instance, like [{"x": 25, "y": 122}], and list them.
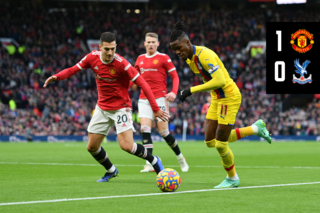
[
  {"x": 211, "y": 143},
  {"x": 237, "y": 134},
  {"x": 227, "y": 157}
]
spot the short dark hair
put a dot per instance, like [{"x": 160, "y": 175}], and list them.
[
  {"x": 107, "y": 37},
  {"x": 178, "y": 31}
]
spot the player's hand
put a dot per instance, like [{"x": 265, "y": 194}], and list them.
[
  {"x": 50, "y": 80},
  {"x": 184, "y": 94},
  {"x": 170, "y": 96},
  {"x": 164, "y": 116}
]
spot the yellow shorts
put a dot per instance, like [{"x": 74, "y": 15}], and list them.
[{"x": 224, "y": 111}]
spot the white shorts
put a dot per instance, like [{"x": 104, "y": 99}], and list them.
[
  {"x": 145, "y": 110},
  {"x": 102, "y": 121}
]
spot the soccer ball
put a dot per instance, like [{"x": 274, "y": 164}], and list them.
[{"x": 168, "y": 180}]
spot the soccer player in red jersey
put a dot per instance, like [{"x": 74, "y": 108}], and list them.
[
  {"x": 113, "y": 74},
  {"x": 153, "y": 67}
]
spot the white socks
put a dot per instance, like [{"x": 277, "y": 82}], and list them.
[
  {"x": 236, "y": 177},
  {"x": 180, "y": 156},
  {"x": 255, "y": 129},
  {"x": 155, "y": 160},
  {"x": 111, "y": 170}
]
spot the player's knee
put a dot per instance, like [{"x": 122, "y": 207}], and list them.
[
  {"x": 164, "y": 133},
  {"x": 92, "y": 148},
  {"x": 222, "y": 148},
  {"x": 126, "y": 147},
  {"x": 145, "y": 129},
  {"x": 211, "y": 143}
]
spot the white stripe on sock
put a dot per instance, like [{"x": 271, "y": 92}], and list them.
[{"x": 155, "y": 160}]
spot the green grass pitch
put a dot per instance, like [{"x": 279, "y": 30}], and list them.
[{"x": 281, "y": 177}]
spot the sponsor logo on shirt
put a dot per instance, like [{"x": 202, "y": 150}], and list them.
[
  {"x": 141, "y": 62},
  {"x": 104, "y": 79},
  {"x": 145, "y": 70},
  {"x": 96, "y": 68},
  {"x": 112, "y": 71}
]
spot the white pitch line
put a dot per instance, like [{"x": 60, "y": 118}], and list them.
[
  {"x": 196, "y": 166},
  {"x": 152, "y": 194}
]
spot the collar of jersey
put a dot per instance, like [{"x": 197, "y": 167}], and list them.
[
  {"x": 106, "y": 62},
  {"x": 194, "y": 53},
  {"x": 147, "y": 56}
]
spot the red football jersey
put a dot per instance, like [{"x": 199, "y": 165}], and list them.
[
  {"x": 112, "y": 79},
  {"x": 154, "y": 70}
]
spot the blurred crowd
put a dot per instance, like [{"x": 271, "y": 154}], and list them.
[{"x": 55, "y": 39}]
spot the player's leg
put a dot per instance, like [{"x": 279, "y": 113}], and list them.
[
  {"x": 146, "y": 124},
  {"x": 257, "y": 128},
  {"x": 236, "y": 134},
  {"x": 173, "y": 144},
  {"x": 124, "y": 127},
  {"x": 210, "y": 132},
  {"x": 211, "y": 125},
  {"x": 146, "y": 117},
  {"x": 163, "y": 129},
  {"x": 98, "y": 129},
  {"x": 227, "y": 115},
  {"x": 127, "y": 144}
]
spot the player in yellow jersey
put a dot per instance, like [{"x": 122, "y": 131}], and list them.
[{"x": 225, "y": 100}]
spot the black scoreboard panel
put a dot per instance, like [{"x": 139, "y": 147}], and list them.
[{"x": 293, "y": 57}]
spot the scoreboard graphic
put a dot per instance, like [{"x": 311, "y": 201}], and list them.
[{"x": 293, "y": 58}]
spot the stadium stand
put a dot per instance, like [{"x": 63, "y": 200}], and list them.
[{"x": 54, "y": 39}]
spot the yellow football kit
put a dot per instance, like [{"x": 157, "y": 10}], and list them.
[{"x": 225, "y": 95}]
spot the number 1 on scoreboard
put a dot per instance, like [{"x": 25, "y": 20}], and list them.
[{"x": 278, "y": 32}]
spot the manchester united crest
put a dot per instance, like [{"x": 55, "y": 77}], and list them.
[
  {"x": 155, "y": 61},
  {"x": 112, "y": 71},
  {"x": 302, "y": 41}
]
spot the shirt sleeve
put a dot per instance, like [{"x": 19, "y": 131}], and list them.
[
  {"x": 137, "y": 65},
  {"x": 131, "y": 72},
  {"x": 66, "y": 73},
  {"x": 209, "y": 62},
  {"x": 168, "y": 65},
  {"x": 218, "y": 81}
]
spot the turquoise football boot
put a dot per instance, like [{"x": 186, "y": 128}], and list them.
[
  {"x": 227, "y": 183},
  {"x": 262, "y": 130}
]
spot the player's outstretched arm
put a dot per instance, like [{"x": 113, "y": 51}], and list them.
[
  {"x": 66, "y": 73},
  {"x": 50, "y": 80},
  {"x": 175, "y": 85},
  {"x": 218, "y": 81}
]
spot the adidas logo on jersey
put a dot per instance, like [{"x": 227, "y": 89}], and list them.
[
  {"x": 124, "y": 125},
  {"x": 96, "y": 68},
  {"x": 141, "y": 62}
]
